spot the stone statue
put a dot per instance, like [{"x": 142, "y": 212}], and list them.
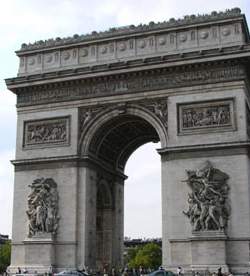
[
  {"x": 43, "y": 207},
  {"x": 208, "y": 206}
]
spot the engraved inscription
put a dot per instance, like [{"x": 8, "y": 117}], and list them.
[
  {"x": 209, "y": 115},
  {"x": 46, "y": 132}
]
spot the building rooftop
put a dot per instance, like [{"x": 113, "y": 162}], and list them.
[{"x": 132, "y": 29}]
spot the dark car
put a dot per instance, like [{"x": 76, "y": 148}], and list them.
[
  {"x": 71, "y": 273},
  {"x": 161, "y": 272}
]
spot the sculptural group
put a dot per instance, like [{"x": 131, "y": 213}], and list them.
[
  {"x": 208, "y": 201},
  {"x": 43, "y": 207}
]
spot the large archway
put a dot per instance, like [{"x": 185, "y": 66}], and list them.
[{"x": 109, "y": 141}]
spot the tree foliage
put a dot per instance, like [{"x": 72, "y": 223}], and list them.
[
  {"x": 147, "y": 256},
  {"x": 5, "y": 251}
]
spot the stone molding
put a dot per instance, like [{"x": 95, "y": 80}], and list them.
[
  {"x": 227, "y": 53},
  {"x": 67, "y": 161},
  {"x": 129, "y": 83},
  {"x": 46, "y": 133},
  {"x": 205, "y": 150},
  {"x": 208, "y": 235},
  {"x": 227, "y": 238}
]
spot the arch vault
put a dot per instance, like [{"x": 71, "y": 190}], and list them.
[{"x": 86, "y": 103}]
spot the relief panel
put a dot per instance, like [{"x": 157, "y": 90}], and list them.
[
  {"x": 125, "y": 48},
  {"x": 106, "y": 51},
  {"x": 69, "y": 57},
  {"x": 206, "y": 117},
  {"x": 230, "y": 33},
  {"x": 51, "y": 60},
  {"x": 46, "y": 133},
  {"x": 209, "y": 208}
]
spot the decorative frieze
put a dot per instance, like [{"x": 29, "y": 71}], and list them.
[
  {"x": 146, "y": 81},
  {"x": 209, "y": 209},
  {"x": 206, "y": 116},
  {"x": 47, "y": 132}
]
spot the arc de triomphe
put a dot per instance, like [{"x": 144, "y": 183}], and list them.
[{"x": 85, "y": 103}]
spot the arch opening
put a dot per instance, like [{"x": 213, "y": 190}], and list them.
[
  {"x": 112, "y": 144},
  {"x": 118, "y": 138},
  {"x": 142, "y": 194}
]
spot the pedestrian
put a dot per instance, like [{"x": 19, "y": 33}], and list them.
[
  {"x": 105, "y": 272},
  {"x": 219, "y": 273},
  {"x": 113, "y": 272},
  {"x": 179, "y": 270}
]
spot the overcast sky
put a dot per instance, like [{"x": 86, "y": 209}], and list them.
[{"x": 29, "y": 20}]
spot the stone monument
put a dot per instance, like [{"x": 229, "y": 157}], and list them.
[{"x": 87, "y": 102}]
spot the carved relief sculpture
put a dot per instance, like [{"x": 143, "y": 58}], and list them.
[
  {"x": 46, "y": 132},
  {"x": 208, "y": 200},
  {"x": 43, "y": 207},
  {"x": 204, "y": 116},
  {"x": 159, "y": 108}
]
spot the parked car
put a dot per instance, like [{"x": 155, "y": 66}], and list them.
[
  {"x": 71, "y": 273},
  {"x": 161, "y": 272}
]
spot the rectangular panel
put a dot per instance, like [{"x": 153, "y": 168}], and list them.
[
  {"x": 206, "y": 117},
  {"x": 47, "y": 132}
]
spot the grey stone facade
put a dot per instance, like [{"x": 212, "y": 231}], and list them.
[{"x": 86, "y": 103}]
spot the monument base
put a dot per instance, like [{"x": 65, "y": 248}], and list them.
[
  {"x": 208, "y": 251},
  {"x": 39, "y": 253}
]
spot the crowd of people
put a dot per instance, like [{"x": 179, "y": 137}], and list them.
[{"x": 135, "y": 272}]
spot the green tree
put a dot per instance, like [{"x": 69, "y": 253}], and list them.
[
  {"x": 131, "y": 255},
  {"x": 5, "y": 251},
  {"x": 148, "y": 256}
]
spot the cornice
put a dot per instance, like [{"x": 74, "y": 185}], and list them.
[
  {"x": 66, "y": 158},
  {"x": 65, "y": 161},
  {"x": 180, "y": 59},
  {"x": 204, "y": 147},
  {"x": 128, "y": 83}
]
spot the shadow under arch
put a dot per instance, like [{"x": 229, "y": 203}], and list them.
[{"x": 115, "y": 133}]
